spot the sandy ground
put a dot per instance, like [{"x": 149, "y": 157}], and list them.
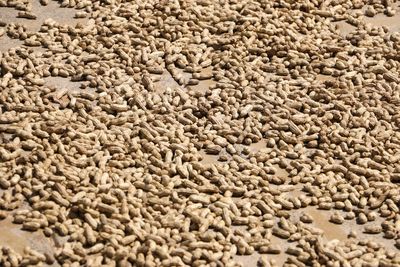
[{"x": 11, "y": 234}]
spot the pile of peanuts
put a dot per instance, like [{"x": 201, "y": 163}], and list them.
[{"x": 116, "y": 167}]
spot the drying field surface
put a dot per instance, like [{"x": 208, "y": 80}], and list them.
[{"x": 200, "y": 133}]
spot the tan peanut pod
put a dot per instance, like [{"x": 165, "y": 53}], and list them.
[
  {"x": 31, "y": 226},
  {"x": 373, "y": 229},
  {"x": 26, "y": 15}
]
